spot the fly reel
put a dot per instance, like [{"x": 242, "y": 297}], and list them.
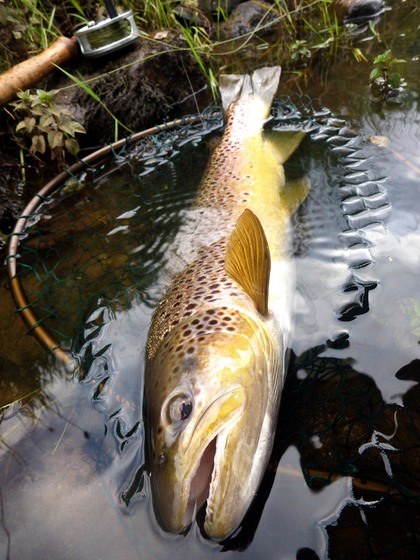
[{"x": 109, "y": 35}]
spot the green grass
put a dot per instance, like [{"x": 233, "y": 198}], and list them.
[
  {"x": 294, "y": 33},
  {"x": 39, "y": 22},
  {"x": 86, "y": 87}
]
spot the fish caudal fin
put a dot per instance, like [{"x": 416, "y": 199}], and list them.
[
  {"x": 263, "y": 84},
  {"x": 248, "y": 260}
]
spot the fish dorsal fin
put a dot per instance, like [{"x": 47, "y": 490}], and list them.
[{"x": 248, "y": 261}]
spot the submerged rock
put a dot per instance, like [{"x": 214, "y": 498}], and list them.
[
  {"x": 355, "y": 11},
  {"x": 248, "y": 16}
]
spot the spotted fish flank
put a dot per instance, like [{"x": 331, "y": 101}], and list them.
[
  {"x": 202, "y": 285},
  {"x": 216, "y": 345}
]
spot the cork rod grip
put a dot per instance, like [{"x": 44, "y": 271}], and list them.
[{"x": 28, "y": 73}]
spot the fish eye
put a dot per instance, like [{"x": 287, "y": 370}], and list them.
[{"x": 180, "y": 409}]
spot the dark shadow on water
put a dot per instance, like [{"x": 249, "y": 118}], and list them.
[{"x": 359, "y": 436}]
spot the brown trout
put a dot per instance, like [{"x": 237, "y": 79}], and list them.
[{"x": 216, "y": 347}]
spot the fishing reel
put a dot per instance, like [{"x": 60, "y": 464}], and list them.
[{"x": 109, "y": 35}]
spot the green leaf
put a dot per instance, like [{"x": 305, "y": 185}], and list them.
[
  {"x": 66, "y": 112},
  {"x": 24, "y": 95},
  {"x": 395, "y": 80},
  {"x": 375, "y": 74},
  {"x": 358, "y": 55},
  {"x": 55, "y": 139},
  {"x": 55, "y": 110},
  {"x": 38, "y": 110},
  {"x": 27, "y": 123},
  {"x": 45, "y": 121},
  {"x": 72, "y": 127},
  {"x": 20, "y": 125},
  {"x": 18, "y": 105},
  {"x": 65, "y": 127},
  {"x": 46, "y": 96},
  {"x": 77, "y": 127},
  {"x": 35, "y": 102},
  {"x": 30, "y": 123},
  {"x": 383, "y": 58}
]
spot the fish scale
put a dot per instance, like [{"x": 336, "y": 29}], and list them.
[{"x": 228, "y": 185}]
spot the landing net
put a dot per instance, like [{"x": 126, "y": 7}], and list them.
[{"x": 92, "y": 241}]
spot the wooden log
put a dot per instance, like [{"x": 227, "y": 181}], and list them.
[{"x": 28, "y": 73}]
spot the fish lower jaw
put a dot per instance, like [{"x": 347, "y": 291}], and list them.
[
  {"x": 205, "y": 478},
  {"x": 216, "y": 528},
  {"x": 200, "y": 483}
]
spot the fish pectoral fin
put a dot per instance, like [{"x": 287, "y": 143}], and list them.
[
  {"x": 283, "y": 144},
  {"x": 294, "y": 193},
  {"x": 247, "y": 259}
]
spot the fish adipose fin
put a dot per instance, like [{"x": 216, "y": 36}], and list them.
[
  {"x": 294, "y": 193},
  {"x": 247, "y": 259},
  {"x": 263, "y": 83},
  {"x": 283, "y": 144}
]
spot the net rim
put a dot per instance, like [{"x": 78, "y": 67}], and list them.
[{"x": 22, "y": 303}]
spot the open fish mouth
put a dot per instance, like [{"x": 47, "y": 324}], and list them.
[
  {"x": 208, "y": 457},
  {"x": 201, "y": 482}
]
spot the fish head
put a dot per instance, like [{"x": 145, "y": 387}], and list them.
[{"x": 211, "y": 410}]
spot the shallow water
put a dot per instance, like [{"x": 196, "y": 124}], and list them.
[{"x": 344, "y": 477}]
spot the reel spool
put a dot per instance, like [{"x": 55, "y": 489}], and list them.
[{"x": 109, "y": 35}]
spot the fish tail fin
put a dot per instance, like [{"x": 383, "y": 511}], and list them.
[{"x": 262, "y": 84}]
